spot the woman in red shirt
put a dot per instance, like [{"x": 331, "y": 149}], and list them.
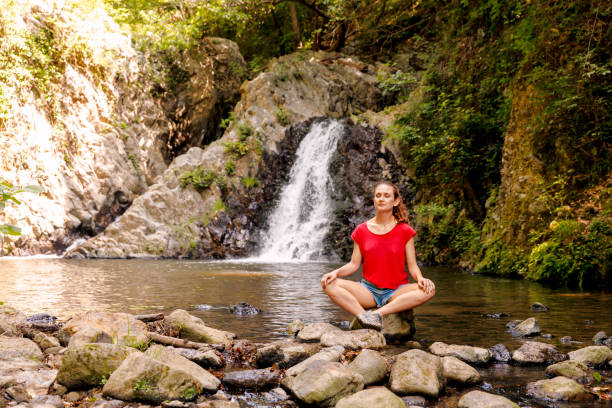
[{"x": 385, "y": 243}]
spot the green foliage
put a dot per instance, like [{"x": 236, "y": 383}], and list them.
[
  {"x": 282, "y": 115},
  {"x": 7, "y": 195},
  {"x": 190, "y": 393},
  {"x": 251, "y": 182},
  {"x": 245, "y": 131},
  {"x": 597, "y": 376},
  {"x": 142, "y": 387},
  {"x": 240, "y": 147},
  {"x": 398, "y": 84},
  {"x": 230, "y": 168},
  {"x": 199, "y": 178},
  {"x": 227, "y": 121}
]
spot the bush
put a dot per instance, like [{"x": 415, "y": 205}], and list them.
[{"x": 200, "y": 178}]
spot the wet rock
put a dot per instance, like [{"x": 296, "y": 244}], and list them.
[
  {"x": 251, "y": 379},
  {"x": 417, "y": 372},
  {"x": 495, "y": 315},
  {"x": 500, "y": 352},
  {"x": 378, "y": 397},
  {"x": 90, "y": 364},
  {"x": 330, "y": 354},
  {"x": 595, "y": 356},
  {"x": 244, "y": 309},
  {"x": 528, "y": 327},
  {"x": 193, "y": 328},
  {"x": 571, "y": 369},
  {"x": 600, "y": 337},
  {"x": 217, "y": 404},
  {"x": 547, "y": 336},
  {"x": 533, "y": 352},
  {"x": 89, "y": 335},
  {"x": 311, "y": 333},
  {"x": 475, "y": 355},
  {"x": 558, "y": 389},
  {"x": 608, "y": 342},
  {"x": 538, "y": 307},
  {"x": 396, "y": 326},
  {"x": 284, "y": 353},
  {"x": 569, "y": 340},
  {"x": 459, "y": 372},
  {"x": 10, "y": 319},
  {"x": 512, "y": 324},
  {"x": 480, "y": 399},
  {"x": 324, "y": 383},
  {"x": 45, "y": 342},
  {"x": 371, "y": 365},
  {"x": 354, "y": 339},
  {"x": 294, "y": 328},
  {"x": 19, "y": 353},
  {"x": 122, "y": 328},
  {"x": 414, "y": 401},
  {"x": 209, "y": 358}
]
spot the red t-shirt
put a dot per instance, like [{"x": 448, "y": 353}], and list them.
[{"x": 384, "y": 255}]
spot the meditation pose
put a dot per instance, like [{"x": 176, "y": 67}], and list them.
[{"x": 385, "y": 244}]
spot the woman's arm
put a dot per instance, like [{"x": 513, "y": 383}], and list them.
[
  {"x": 413, "y": 268},
  {"x": 345, "y": 270}
]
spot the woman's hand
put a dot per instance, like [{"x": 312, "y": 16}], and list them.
[
  {"x": 426, "y": 285},
  {"x": 329, "y": 278}
]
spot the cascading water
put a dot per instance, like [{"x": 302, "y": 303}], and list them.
[{"x": 300, "y": 221}]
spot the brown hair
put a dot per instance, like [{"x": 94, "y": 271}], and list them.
[{"x": 400, "y": 213}]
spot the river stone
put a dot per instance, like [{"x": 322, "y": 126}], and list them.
[
  {"x": 528, "y": 327},
  {"x": 371, "y": 365},
  {"x": 416, "y": 371},
  {"x": 595, "y": 356},
  {"x": 354, "y": 339},
  {"x": 534, "y": 352},
  {"x": 396, "y": 326},
  {"x": 123, "y": 328},
  {"x": 284, "y": 353},
  {"x": 244, "y": 309},
  {"x": 45, "y": 342},
  {"x": 331, "y": 354},
  {"x": 10, "y": 318},
  {"x": 193, "y": 328},
  {"x": 569, "y": 340},
  {"x": 600, "y": 337},
  {"x": 458, "y": 371},
  {"x": 324, "y": 383},
  {"x": 89, "y": 335},
  {"x": 17, "y": 352},
  {"x": 500, "y": 352},
  {"x": 209, "y": 358},
  {"x": 538, "y": 307},
  {"x": 480, "y": 399},
  {"x": 378, "y": 397},
  {"x": 34, "y": 381},
  {"x": 258, "y": 379},
  {"x": 571, "y": 369},
  {"x": 45, "y": 401},
  {"x": 158, "y": 375},
  {"x": 558, "y": 389},
  {"x": 217, "y": 404},
  {"x": 311, "y": 333},
  {"x": 89, "y": 364},
  {"x": 294, "y": 327},
  {"x": 475, "y": 355}
]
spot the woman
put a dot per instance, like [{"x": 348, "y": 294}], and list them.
[{"x": 385, "y": 243}]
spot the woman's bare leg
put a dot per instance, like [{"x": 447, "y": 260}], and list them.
[
  {"x": 406, "y": 297},
  {"x": 350, "y": 296}
]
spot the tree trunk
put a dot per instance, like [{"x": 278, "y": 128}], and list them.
[{"x": 295, "y": 22}]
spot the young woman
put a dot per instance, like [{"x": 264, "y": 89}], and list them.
[{"x": 385, "y": 243}]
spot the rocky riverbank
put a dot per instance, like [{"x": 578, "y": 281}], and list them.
[{"x": 108, "y": 360}]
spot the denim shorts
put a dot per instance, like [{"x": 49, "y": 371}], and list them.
[{"x": 381, "y": 295}]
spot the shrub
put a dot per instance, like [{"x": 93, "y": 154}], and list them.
[{"x": 200, "y": 178}]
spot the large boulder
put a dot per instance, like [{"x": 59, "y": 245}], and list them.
[
  {"x": 311, "y": 333},
  {"x": 284, "y": 353},
  {"x": 371, "y": 365},
  {"x": 91, "y": 364},
  {"x": 396, "y": 326},
  {"x": 10, "y": 318},
  {"x": 378, "y": 397},
  {"x": 354, "y": 339},
  {"x": 571, "y": 369},
  {"x": 459, "y": 372},
  {"x": 416, "y": 371},
  {"x": 121, "y": 328},
  {"x": 193, "y": 328},
  {"x": 480, "y": 399},
  {"x": 324, "y": 383},
  {"x": 596, "y": 356},
  {"x": 87, "y": 335},
  {"x": 558, "y": 389},
  {"x": 330, "y": 354},
  {"x": 533, "y": 352},
  {"x": 19, "y": 352},
  {"x": 21, "y": 370},
  {"x": 158, "y": 375},
  {"x": 470, "y": 354}
]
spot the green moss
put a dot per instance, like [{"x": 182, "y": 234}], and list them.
[{"x": 199, "y": 178}]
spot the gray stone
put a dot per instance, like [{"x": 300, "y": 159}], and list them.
[
  {"x": 311, "y": 333},
  {"x": 88, "y": 335},
  {"x": 10, "y": 318},
  {"x": 251, "y": 379},
  {"x": 217, "y": 404},
  {"x": 46, "y": 401},
  {"x": 470, "y": 354},
  {"x": 284, "y": 353},
  {"x": 528, "y": 327},
  {"x": 19, "y": 353},
  {"x": 113, "y": 403},
  {"x": 571, "y": 369},
  {"x": 354, "y": 339},
  {"x": 378, "y": 397},
  {"x": 460, "y": 372},
  {"x": 330, "y": 354},
  {"x": 208, "y": 358},
  {"x": 595, "y": 356},
  {"x": 244, "y": 309},
  {"x": 174, "y": 404},
  {"x": 414, "y": 401},
  {"x": 294, "y": 328},
  {"x": 538, "y": 307},
  {"x": 500, "y": 352},
  {"x": 193, "y": 328},
  {"x": 73, "y": 396},
  {"x": 599, "y": 337},
  {"x": 45, "y": 342},
  {"x": 558, "y": 389},
  {"x": 122, "y": 328},
  {"x": 371, "y": 365},
  {"x": 480, "y": 399},
  {"x": 417, "y": 372},
  {"x": 396, "y": 326},
  {"x": 533, "y": 352},
  {"x": 569, "y": 340},
  {"x": 18, "y": 393}
]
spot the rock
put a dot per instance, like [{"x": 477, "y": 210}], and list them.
[
  {"x": 193, "y": 328},
  {"x": 528, "y": 327},
  {"x": 58, "y": 389},
  {"x": 600, "y": 337},
  {"x": 460, "y": 372},
  {"x": 45, "y": 342},
  {"x": 558, "y": 389},
  {"x": 371, "y": 365},
  {"x": 285, "y": 354},
  {"x": 479, "y": 399},
  {"x": 311, "y": 333},
  {"x": 324, "y": 383},
  {"x": 73, "y": 396},
  {"x": 19, "y": 353},
  {"x": 244, "y": 309},
  {"x": 294, "y": 328},
  {"x": 396, "y": 326},
  {"x": 174, "y": 404},
  {"x": 46, "y": 401},
  {"x": 378, "y": 397},
  {"x": 533, "y": 352},
  {"x": 89, "y": 335},
  {"x": 500, "y": 352},
  {"x": 354, "y": 339},
  {"x": 10, "y": 318},
  {"x": 217, "y": 404},
  {"x": 330, "y": 354},
  {"x": 571, "y": 369},
  {"x": 33, "y": 381},
  {"x": 113, "y": 403},
  {"x": 209, "y": 358},
  {"x": 251, "y": 379},
  {"x": 91, "y": 364},
  {"x": 569, "y": 340},
  {"x": 538, "y": 307},
  {"x": 18, "y": 393},
  {"x": 547, "y": 336},
  {"x": 475, "y": 355},
  {"x": 595, "y": 356},
  {"x": 416, "y": 371},
  {"x": 496, "y": 315},
  {"x": 158, "y": 375},
  {"x": 414, "y": 401},
  {"x": 122, "y": 328}
]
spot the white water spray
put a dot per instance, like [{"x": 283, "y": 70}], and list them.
[{"x": 301, "y": 219}]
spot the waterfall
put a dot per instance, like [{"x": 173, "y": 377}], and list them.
[{"x": 301, "y": 219}]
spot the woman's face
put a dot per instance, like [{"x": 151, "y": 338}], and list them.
[{"x": 383, "y": 198}]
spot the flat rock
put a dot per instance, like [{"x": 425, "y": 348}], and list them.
[
  {"x": 558, "y": 389},
  {"x": 459, "y": 372},
  {"x": 354, "y": 339},
  {"x": 17, "y": 352},
  {"x": 89, "y": 335},
  {"x": 330, "y": 354},
  {"x": 533, "y": 352},
  {"x": 10, "y": 319},
  {"x": 528, "y": 327},
  {"x": 371, "y": 365},
  {"x": 311, "y": 333},
  {"x": 34, "y": 381},
  {"x": 122, "y": 328},
  {"x": 500, "y": 353},
  {"x": 208, "y": 358},
  {"x": 480, "y": 399},
  {"x": 574, "y": 370},
  {"x": 596, "y": 356},
  {"x": 378, "y": 397},
  {"x": 396, "y": 326},
  {"x": 193, "y": 328},
  {"x": 251, "y": 379},
  {"x": 470, "y": 354},
  {"x": 285, "y": 353},
  {"x": 44, "y": 401},
  {"x": 417, "y": 372}
]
